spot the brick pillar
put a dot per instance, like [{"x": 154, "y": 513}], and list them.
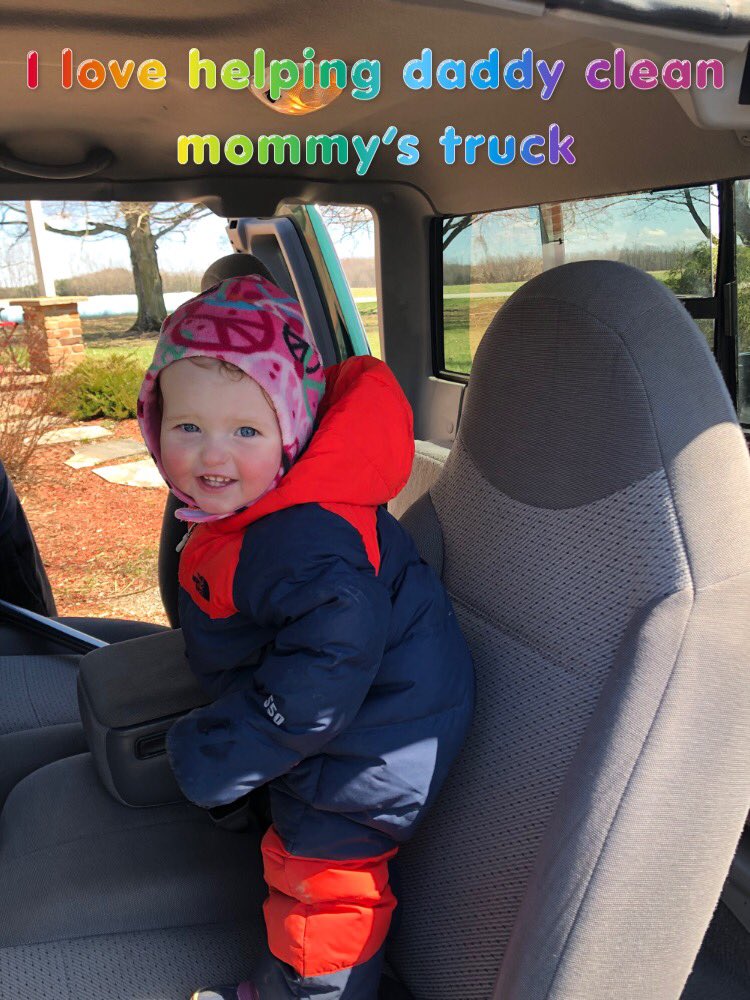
[{"x": 52, "y": 332}]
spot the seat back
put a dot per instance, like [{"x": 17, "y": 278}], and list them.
[
  {"x": 591, "y": 523},
  {"x": 429, "y": 459}
]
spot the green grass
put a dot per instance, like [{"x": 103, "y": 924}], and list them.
[
  {"x": 372, "y": 332},
  {"x": 142, "y": 351},
  {"x": 109, "y": 335},
  {"x": 503, "y": 288},
  {"x": 464, "y": 321}
]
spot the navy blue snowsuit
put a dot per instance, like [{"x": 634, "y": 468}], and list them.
[{"x": 340, "y": 678}]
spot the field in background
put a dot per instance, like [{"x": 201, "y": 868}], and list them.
[
  {"x": 105, "y": 335},
  {"x": 467, "y": 311}
]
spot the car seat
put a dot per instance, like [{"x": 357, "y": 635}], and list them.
[{"x": 599, "y": 567}]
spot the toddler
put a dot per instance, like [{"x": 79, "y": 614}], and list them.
[{"x": 339, "y": 675}]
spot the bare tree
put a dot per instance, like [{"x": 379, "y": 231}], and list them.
[
  {"x": 742, "y": 210},
  {"x": 457, "y": 224},
  {"x": 594, "y": 213},
  {"x": 354, "y": 219},
  {"x": 351, "y": 219},
  {"x": 142, "y": 224}
]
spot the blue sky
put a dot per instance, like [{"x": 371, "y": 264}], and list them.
[
  {"x": 597, "y": 226},
  {"x": 206, "y": 241}
]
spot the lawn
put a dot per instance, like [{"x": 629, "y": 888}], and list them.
[
  {"x": 467, "y": 311},
  {"x": 465, "y": 320},
  {"x": 368, "y": 311},
  {"x": 105, "y": 335}
]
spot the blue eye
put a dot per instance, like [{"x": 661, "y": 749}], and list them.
[
  {"x": 247, "y": 432},
  {"x": 188, "y": 428}
]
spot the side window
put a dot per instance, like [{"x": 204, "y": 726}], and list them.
[
  {"x": 742, "y": 230},
  {"x": 486, "y": 257},
  {"x": 341, "y": 243},
  {"x": 351, "y": 229}
]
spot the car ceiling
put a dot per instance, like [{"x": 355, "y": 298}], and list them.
[{"x": 624, "y": 140}]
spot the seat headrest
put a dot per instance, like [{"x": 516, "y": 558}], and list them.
[
  {"x": 234, "y": 265},
  {"x": 589, "y": 378}
]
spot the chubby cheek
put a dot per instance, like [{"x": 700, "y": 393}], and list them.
[
  {"x": 177, "y": 461},
  {"x": 259, "y": 471}
]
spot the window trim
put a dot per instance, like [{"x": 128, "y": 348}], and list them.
[
  {"x": 350, "y": 315},
  {"x": 300, "y": 218},
  {"x": 725, "y": 291},
  {"x": 436, "y": 305}
]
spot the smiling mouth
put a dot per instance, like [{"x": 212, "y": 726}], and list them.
[{"x": 215, "y": 482}]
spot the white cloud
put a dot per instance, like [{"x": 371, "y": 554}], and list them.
[{"x": 692, "y": 233}]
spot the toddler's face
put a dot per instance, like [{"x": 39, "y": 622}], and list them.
[{"x": 220, "y": 439}]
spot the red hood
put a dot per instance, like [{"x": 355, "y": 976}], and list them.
[{"x": 360, "y": 454}]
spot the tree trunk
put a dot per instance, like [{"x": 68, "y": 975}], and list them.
[
  {"x": 148, "y": 287},
  {"x": 742, "y": 211}
]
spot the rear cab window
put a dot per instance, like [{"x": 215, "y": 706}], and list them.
[{"x": 673, "y": 234}]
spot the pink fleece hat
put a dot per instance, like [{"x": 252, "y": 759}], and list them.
[{"x": 251, "y": 323}]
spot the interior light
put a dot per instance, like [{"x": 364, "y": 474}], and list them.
[{"x": 299, "y": 100}]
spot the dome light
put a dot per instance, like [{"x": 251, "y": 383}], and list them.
[{"x": 299, "y": 99}]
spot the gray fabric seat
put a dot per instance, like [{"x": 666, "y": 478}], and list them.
[
  {"x": 429, "y": 459},
  {"x": 39, "y": 719},
  {"x": 591, "y": 525},
  {"x": 132, "y": 904}
]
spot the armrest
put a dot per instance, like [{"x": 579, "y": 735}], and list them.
[{"x": 129, "y": 695}]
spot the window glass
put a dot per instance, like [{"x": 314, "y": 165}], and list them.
[
  {"x": 486, "y": 257},
  {"x": 123, "y": 266},
  {"x": 352, "y": 232},
  {"x": 742, "y": 226}
]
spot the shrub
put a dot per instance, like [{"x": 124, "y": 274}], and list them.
[
  {"x": 690, "y": 274},
  {"x": 102, "y": 387},
  {"x": 24, "y": 408}
]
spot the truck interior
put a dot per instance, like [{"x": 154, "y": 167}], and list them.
[{"x": 581, "y": 485}]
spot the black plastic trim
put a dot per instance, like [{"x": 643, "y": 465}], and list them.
[
  {"x": 78, "y": 642},
  {"x": 436, "y": 296},
  {"x": 701, "y": 308},
  {"x": 436, "y": 304},
  {"x": 745, "y": 85},
  {"x": 725, "y": 348}
]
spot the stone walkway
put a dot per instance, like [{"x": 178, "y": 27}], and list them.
[{"x": 99, "y": 446}]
